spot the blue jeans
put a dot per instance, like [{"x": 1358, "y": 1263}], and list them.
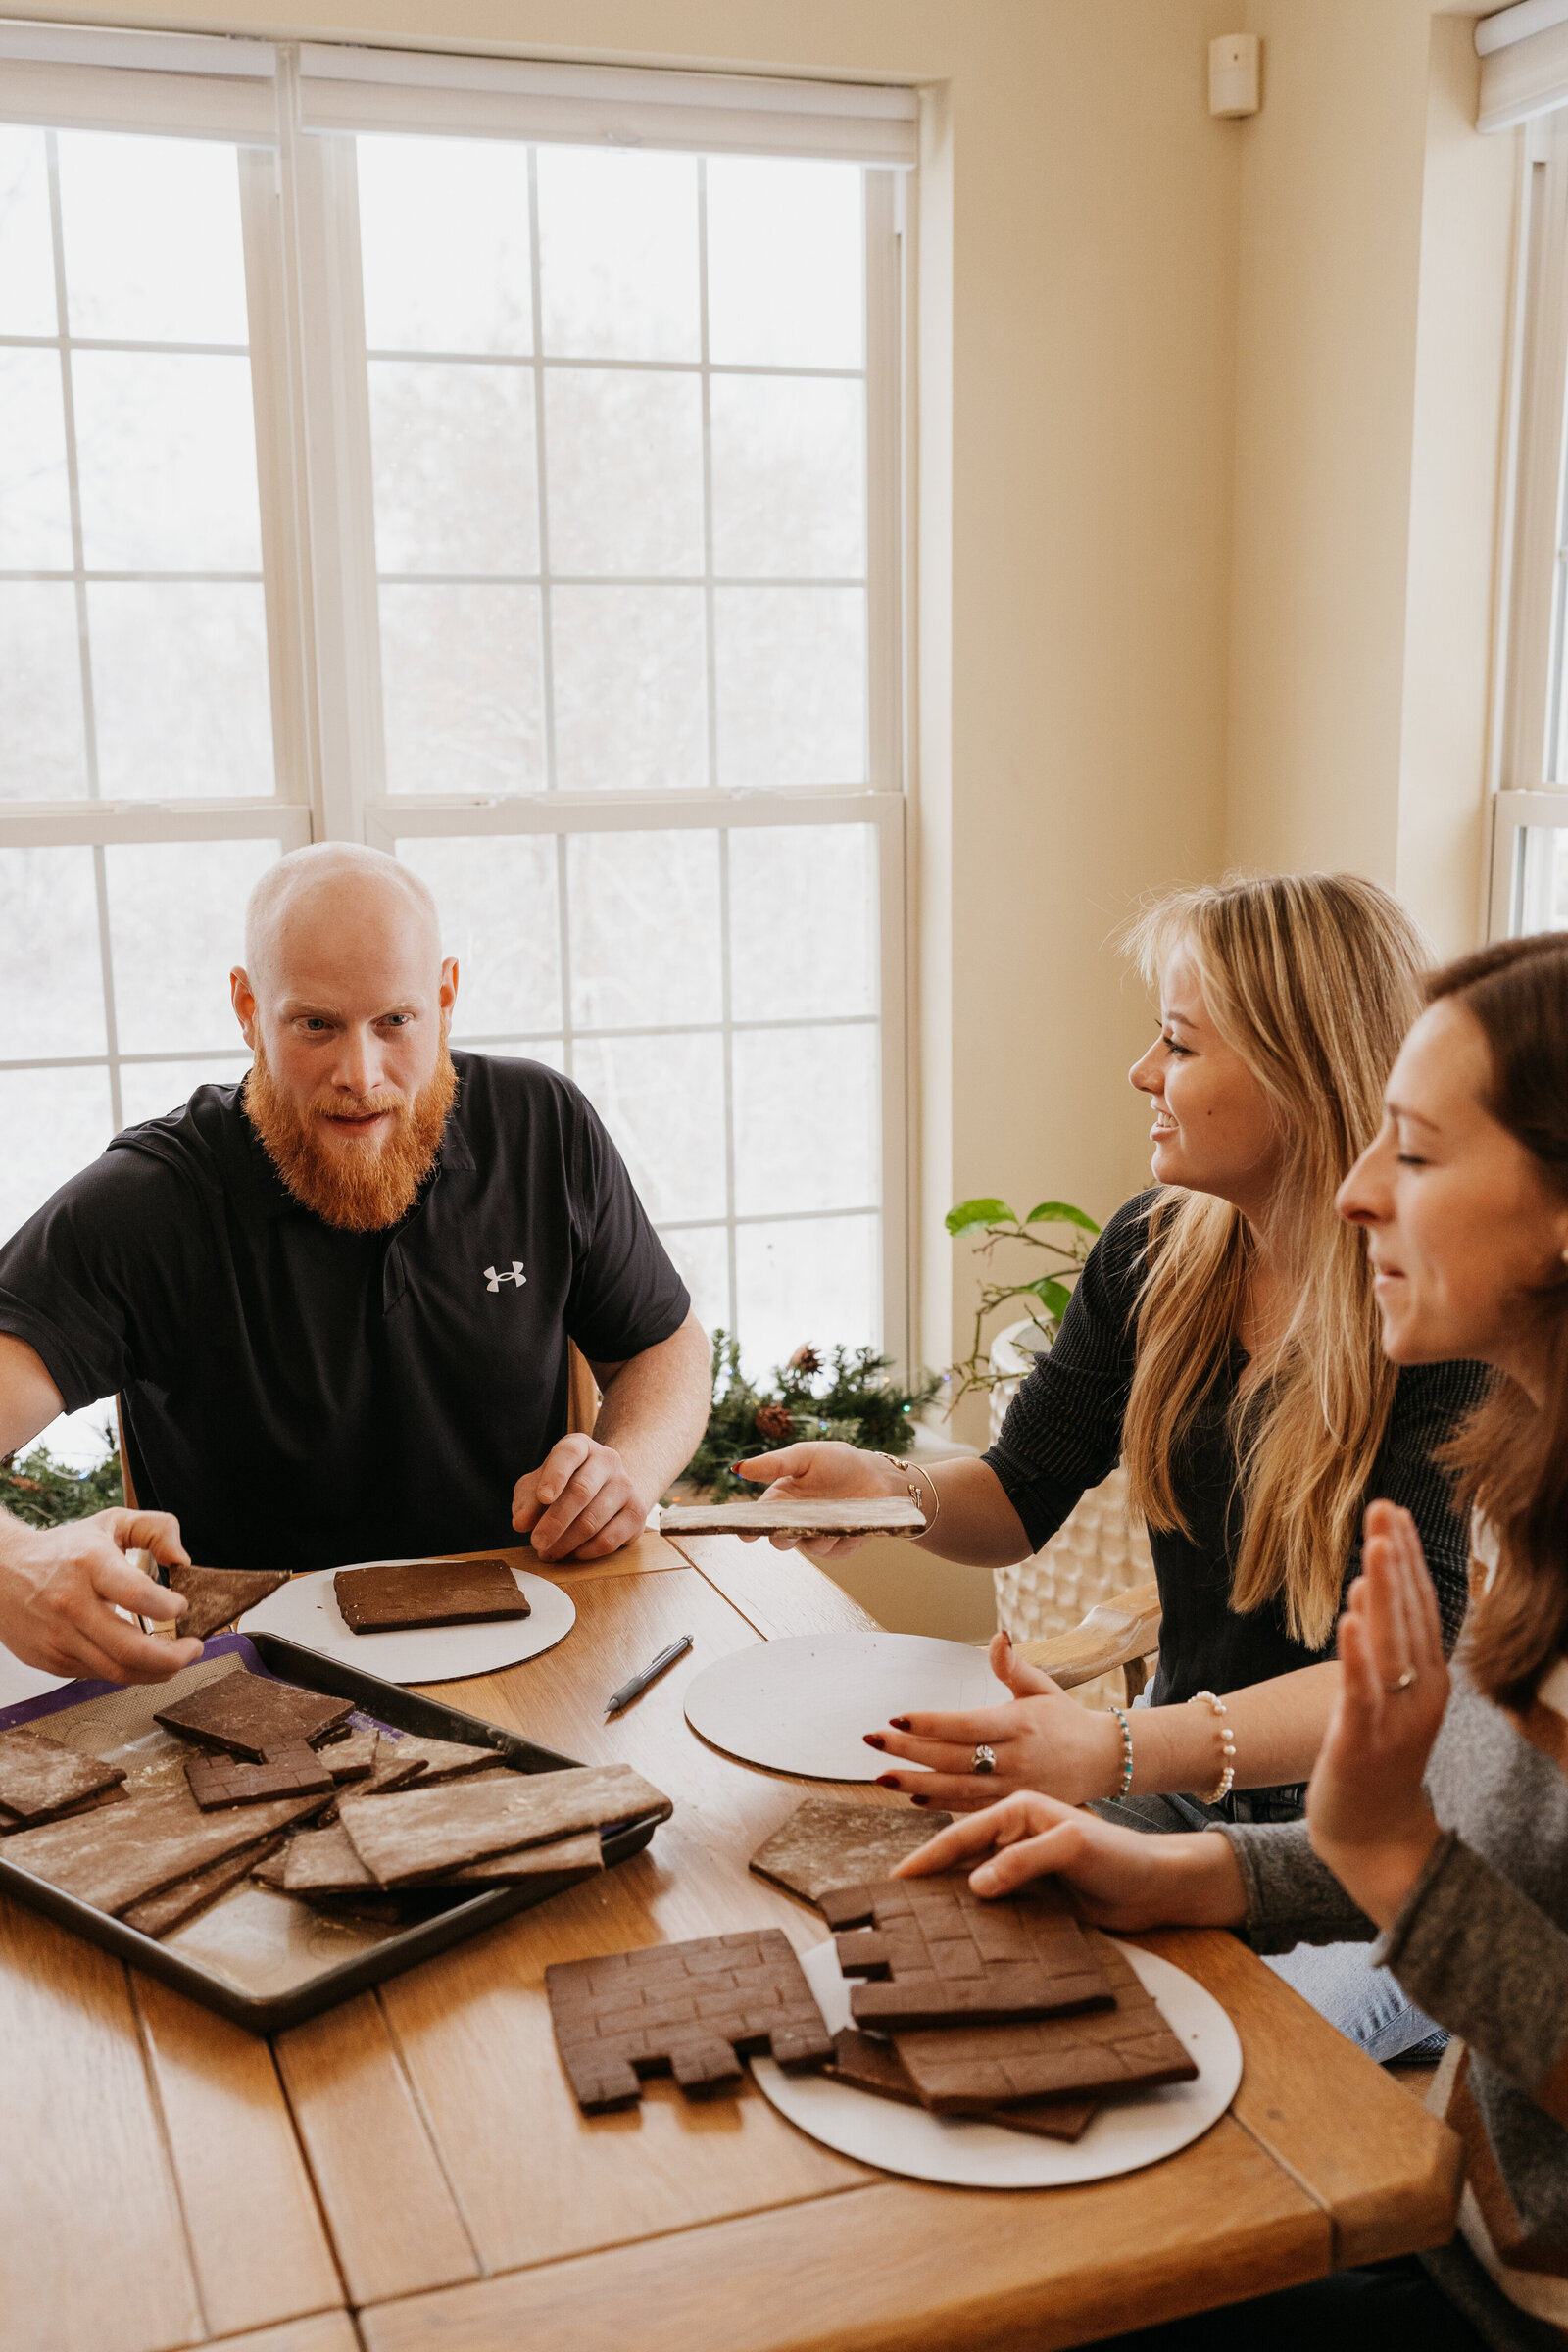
[
  {"x": 1339, "y": 1980},
  {"x": 1382, "y": 2307}
]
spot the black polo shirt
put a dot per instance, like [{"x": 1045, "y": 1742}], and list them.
[{"x": 299, "y": 1395}]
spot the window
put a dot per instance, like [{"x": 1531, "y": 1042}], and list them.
[
  {"x": 498, "y": 465},
  {"x": 1529, "y": 885}
]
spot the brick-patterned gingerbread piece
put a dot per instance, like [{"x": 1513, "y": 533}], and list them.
[
  {"x": 296, "y": 1771},
  {"x": 945, "y": 1957},
  {"x": 963, "y": 2069},
  {"x": 865, "y": 2063},
  {"x": 693, "y": 2010}
]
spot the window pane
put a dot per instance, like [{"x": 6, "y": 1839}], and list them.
[
  {"x": 1541, "y": 893},
  {"x": 816, "y": 1281},
  {"x": 26, "y": 248},
  {"x": 644, "y": 935},
  {"x": 806, "y": 1119},
  {"x": 456, "y": 481},
  {"x": 176, "y": 925},
  {"x": 662, "y": 1101},
  {"x": 789, "y": 477},
  {"x": 460, "y": 689},
  {"x": 51, "y": 976},
  {"x": 499, "y": 902},
  {"x": 444, "y": 245},
  {"x": 180, "y": 695},
  {"x": 802, "y": 900},
  {"x": 785, "y": 272},
  {"x": 152, "y": 237},
  {"x": 625, "y": 465},
  {"x": 53, "y": 1122},
  {"x": 702, "y": 1259},
  {"x": 617, "y": 254},
  {"x": 168, "y": 459},
  {"x": 791, "y": 678},
  {"x": 631, "y": 688},
  {"x": 34, "y": 495},
  {"x": 150, "y": 1088},
  {"x": 43, "y": 751}
]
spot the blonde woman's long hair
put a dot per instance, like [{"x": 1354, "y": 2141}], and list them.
[{"x": 1312, "y": 979}]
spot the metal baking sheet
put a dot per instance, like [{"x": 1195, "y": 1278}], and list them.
[{"x": 389, "y": 1955}]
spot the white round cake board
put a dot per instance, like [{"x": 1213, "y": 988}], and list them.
[
  {"x": 804, "y": 1706},
  {"x": 1135, "y": 2128},
  {"x": 305, "y": 1610}
]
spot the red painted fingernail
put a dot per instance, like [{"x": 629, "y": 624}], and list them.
[
  {"x": 920, "y": 1800},
  {"x": 900, "y": 1723},
  {"x": 887, "y": 1780},
  {"x": 873, "y": 1739},
  {"x": 1006, "y": 1637}
]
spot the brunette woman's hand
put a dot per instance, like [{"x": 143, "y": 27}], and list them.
[
  {"x": 1121, "y": 1877},
  {"x": 1042, "y": 1740},
  {"x": 1367, "y": 1809}
]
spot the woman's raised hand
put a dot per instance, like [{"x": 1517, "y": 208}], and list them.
[
  {"x": 1121, "y": 1877},
  {"x": 1366, "y": 1809},
  {"x": 1041, "y": 1739},
  {"x": 823, "y": 1471}
]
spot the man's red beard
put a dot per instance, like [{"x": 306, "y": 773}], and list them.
[{"x": 363, "y": 1184}]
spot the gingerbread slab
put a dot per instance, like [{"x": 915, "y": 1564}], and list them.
[
  {"x": 871, "y": 2065},
  {"x": 215, "y": 1596},
  {"x": 693, "y": 2010},
  {"x": 881, "y": 1516},
  {"x": 405, "y": 1595},
  {"x": 422, "y": 1834},
  {"x": 247, "y": 1715},
  {"x": 39, "y": 1775},
  {"x": 943, "y": 1955},
  {"x": 296, "y": 1771},
  {"x": 965, "y": 2069},
  {"x": 825, "y": 1844}
]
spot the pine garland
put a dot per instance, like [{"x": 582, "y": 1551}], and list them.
[
  {"x": 44, "y": 1493},
  {"x": 848, "y": 1396}
]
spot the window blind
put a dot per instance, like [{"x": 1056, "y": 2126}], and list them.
[
  {"x": 186, "y": 84},
  {"x": 1524, "y": 62},
  {"x": 349, "y": 89}
]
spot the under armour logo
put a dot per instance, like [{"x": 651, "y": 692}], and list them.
[{"x": 493, "y": 1280}]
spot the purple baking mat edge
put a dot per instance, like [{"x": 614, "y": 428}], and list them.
[{"x": 76, "y": 1694}]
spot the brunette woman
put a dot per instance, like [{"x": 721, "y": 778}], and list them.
[
  {"x": 1437, "y": 1818},
  {"x": 1223, "y": 1340}
]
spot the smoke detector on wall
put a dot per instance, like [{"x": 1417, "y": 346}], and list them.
[{"x": 1233, "y": 74}]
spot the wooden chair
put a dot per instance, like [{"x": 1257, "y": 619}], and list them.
[{"x": 1123, "y": 1631}]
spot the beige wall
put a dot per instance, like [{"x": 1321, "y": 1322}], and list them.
[{"x": 1371, "y": 324}]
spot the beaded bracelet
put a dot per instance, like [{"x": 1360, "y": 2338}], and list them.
[
  {"x": 1227, "y": 1746},
  {"x": 1126, "y": 1751}
]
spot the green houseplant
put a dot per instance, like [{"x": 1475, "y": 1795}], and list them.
[
  {"x": 846, "y": 1393},
  {"x": 1046, "y": 1293}
]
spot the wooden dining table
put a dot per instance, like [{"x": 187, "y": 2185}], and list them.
[{"x": 409, "y": 2172}]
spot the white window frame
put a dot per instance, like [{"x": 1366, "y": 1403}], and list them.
[
  {"x": 1529, "y": 752},
  {"x": 292, "y": 110}
]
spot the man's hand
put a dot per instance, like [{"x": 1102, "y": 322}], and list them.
[
  {"x": 823, "y": 1470},
  {"x": 60, "y": 1586},
  {"x": 1043, "y": 1739},
  {"x": 1366, "y": 1809},
  {"x": 580, "y": 1503},
  {"x": 1122, "y": 1878}
]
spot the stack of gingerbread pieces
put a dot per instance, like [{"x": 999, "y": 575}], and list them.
[{"x": 1008, "y": 2011}]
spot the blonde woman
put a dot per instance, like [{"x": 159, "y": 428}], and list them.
[{"x": 1223, "y": 1341}]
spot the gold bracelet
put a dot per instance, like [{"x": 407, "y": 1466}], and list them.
[
  {"x": 1227, "y": 1747},
  {"x": 914, "y": 1491}
]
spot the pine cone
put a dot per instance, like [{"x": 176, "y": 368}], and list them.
[
  {"x": 805, "y": 1359},
  {"x": 775, "y": 1421}
]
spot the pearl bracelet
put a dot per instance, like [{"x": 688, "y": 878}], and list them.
[
  {"x": 1126, "y": 1751},
  {"x": 1227, "y": 1745}
]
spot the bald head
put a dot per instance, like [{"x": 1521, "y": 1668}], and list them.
[{"x": 330, "y": 890}]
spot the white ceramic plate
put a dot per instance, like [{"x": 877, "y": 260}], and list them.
[
  {"x": 305, "y": 1610},
  {"x": 1128, "y": 2131},
  {"x": 804, "y": 1706}
]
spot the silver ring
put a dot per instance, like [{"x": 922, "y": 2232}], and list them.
[
  {"x": 985, "y": 1759},
  {"x": 1403, "y": 1683}
]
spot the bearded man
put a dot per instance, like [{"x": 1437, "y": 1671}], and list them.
[{"x": 335, "y": 1299}]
